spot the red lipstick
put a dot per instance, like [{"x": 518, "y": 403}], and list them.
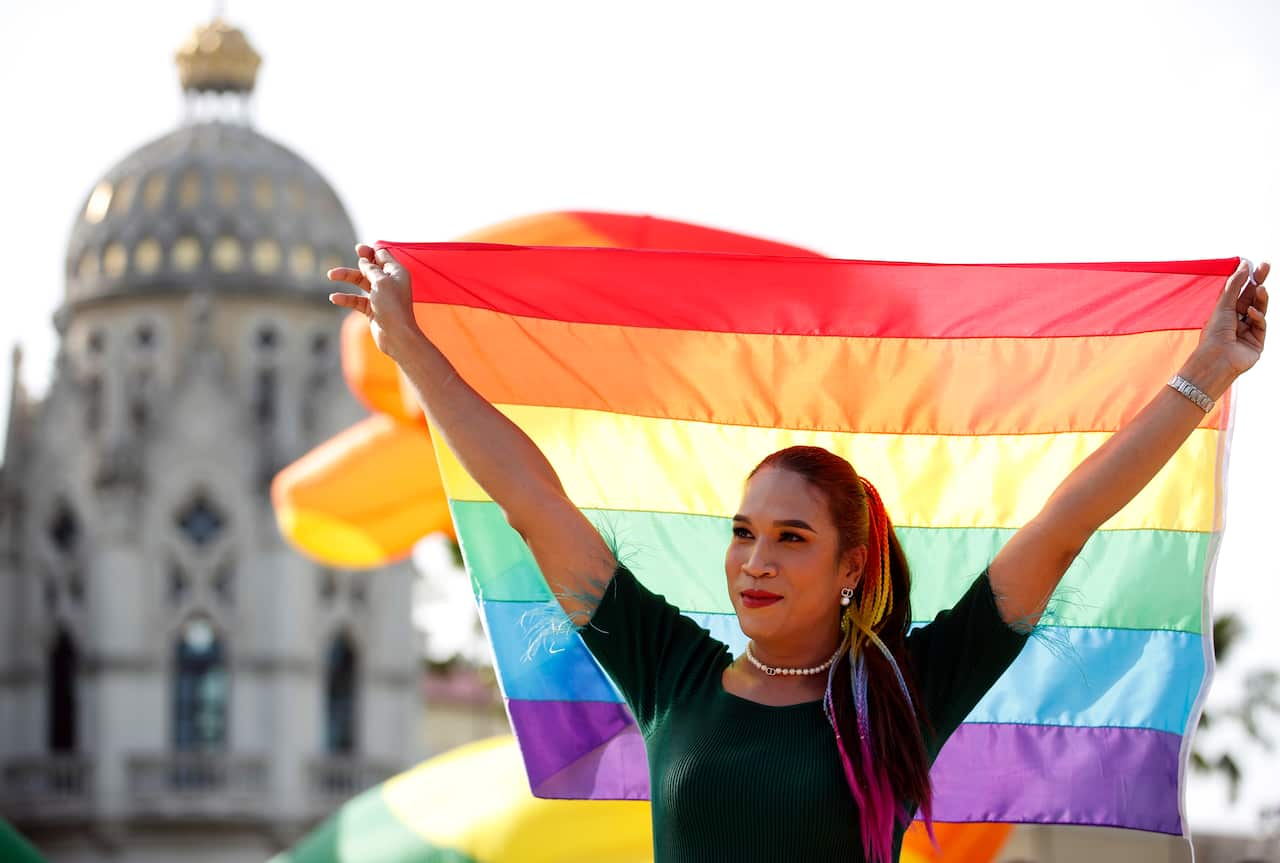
[{"x": 758, "y": 598}]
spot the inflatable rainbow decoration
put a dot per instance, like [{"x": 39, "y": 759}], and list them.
[
  {"x": 655, "y": 380},
  {"x": 472, "y": 805},
  {"x": 14, "y": 848}
]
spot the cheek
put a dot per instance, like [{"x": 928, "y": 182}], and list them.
[{"x": 733, "y": 559}]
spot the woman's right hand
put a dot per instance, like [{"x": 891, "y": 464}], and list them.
[{"x": 387, "y": 298}]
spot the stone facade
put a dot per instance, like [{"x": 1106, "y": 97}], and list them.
[{"x": 175, "y": 682}]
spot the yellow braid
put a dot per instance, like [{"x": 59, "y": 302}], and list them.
[{"x": 877, "y": 598}]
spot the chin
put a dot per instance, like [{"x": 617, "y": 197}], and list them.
[{"x": 752, "y": 626}]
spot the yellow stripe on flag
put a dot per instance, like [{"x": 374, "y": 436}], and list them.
[{"x": 613, "y": 461}]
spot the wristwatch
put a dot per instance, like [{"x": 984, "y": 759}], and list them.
[{"x": 1191, "y": 391}]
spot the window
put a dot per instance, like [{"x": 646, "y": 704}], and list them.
[
  {"x": 226, "y": 254},
  {"x": 148, "y": 255},
  {"x": 62, "y": 693},
  {"x": 64, "y": 529},
  {"x": 93, "y": 404},
  {"x": 328, "y": 585},
  {"x": 186, "y": 254},
  {"x": 340, "y": 696},
  {"x": 200, "y": 688},
  {"x": 153, "y": 191},
  {"x": 201, "y": 521},
  {"x": 320, "y": 345},
  {"x": 139, "y": 407},
  {"x": 122, "y": 201},
  {"x": 145, "y": 335},
  {"x": 264, "y": 397},
  {"x": 178, "y": 586},
  {"x": 268, "y": 338},
  {"x": 189, "y": 190},
  {"x": 88, "y": 266},
  {"x": 115, "y": 260},
  {"x": 224, "y": 584},
  {"x": 99, "y": 200},
  {"x": 302, "y": 261}
]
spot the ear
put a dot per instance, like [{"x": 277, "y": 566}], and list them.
[{"x": 853, "y": 563}]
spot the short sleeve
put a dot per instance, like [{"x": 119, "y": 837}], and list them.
[
  {"x": 652, "y": 652},
  {"x": 958, "y": 657}
]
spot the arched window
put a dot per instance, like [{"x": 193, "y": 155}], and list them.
[
  {"x": 62, "y": 693},
  {"x": 64, "y": 529},
  {"x": 264, "y": 397},
  {"x": 93, "y": 411},
  {"x": 200, "y": 687},
  {"x": 340, "y": 695}
]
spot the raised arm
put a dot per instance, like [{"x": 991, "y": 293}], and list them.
[
  {"x": 574, "y": 559},
  {"x": 1029, "y": 567}
]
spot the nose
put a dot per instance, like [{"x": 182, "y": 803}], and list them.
[{"x": 757, "y": 564}]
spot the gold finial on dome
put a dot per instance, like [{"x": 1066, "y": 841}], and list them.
[{"x": 217, "y": 57}]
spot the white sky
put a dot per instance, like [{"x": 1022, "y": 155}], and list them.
[{"x": 975, "y": 131}]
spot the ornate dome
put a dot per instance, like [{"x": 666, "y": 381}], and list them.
[{"x": 213, "y": 205}]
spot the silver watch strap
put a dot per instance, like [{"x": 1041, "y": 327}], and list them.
[{"x": 1192, "y": 392}]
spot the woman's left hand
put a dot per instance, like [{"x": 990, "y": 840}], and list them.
[{"x": 1237, "y": 329}]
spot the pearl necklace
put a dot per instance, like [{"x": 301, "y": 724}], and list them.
[{"x": 773, "y": 670}]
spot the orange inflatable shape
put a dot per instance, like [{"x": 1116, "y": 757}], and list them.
[
  {"x": 364, "y": 497},
  {"x": 957, "y": 843}
]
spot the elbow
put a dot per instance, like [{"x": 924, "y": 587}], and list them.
[{"x": 1063, "y": 536}]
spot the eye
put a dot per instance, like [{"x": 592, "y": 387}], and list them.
[
  {"x": 788, "y": 536},
  {"x": 742, "y": 533}
]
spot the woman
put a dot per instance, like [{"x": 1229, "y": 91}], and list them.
[{"x": 743, "y": 759}]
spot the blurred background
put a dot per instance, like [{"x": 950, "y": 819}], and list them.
[{"x": 176, "y": 682}]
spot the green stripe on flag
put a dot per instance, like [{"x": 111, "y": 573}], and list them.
[{"x": 1128, "y": 579}]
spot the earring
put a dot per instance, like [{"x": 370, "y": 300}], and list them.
[{"x": 846, "y": 595}]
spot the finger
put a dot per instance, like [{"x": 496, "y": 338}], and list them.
[
  {"x": 351, "y": 301},
  {"x": 350, "y": 276},
  {"x": 388, "y": 261},
  {"x": 1234, "y": 283},
  {"x": 1261, "y": 297},
  {"x": 1247, "y": 291},
  {"x": 364, "y": 250},
  {"x": 372, "y": 271},
  {"x": 1231, "y": 290},
  {"x": 1261, "y": 273}
]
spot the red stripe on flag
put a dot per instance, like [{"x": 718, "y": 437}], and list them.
[{"x": 814, "y": 296}]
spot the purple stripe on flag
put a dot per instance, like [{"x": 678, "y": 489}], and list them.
[
  {"x": 580, "y": 750},
  {"x": 1117, "y": 777}
]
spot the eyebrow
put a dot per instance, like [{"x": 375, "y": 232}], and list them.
[{"x": 786, "y": 522}]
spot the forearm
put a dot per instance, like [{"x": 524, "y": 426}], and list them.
[
  {"x": 497, "y": 454},
  {"x": 1119, "y": 469},
  {"x": 1028, "y": 568}
]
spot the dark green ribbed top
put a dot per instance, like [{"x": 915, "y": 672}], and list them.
[{"x": 734, "y": 780}]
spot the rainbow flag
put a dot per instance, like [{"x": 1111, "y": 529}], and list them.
[{"x": 654, "y": 381}]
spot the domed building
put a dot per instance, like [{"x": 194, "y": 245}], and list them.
[{"x": 175, "y": 682}]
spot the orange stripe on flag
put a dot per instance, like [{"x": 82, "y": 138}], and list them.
[{"x": 885, "y": 386}]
